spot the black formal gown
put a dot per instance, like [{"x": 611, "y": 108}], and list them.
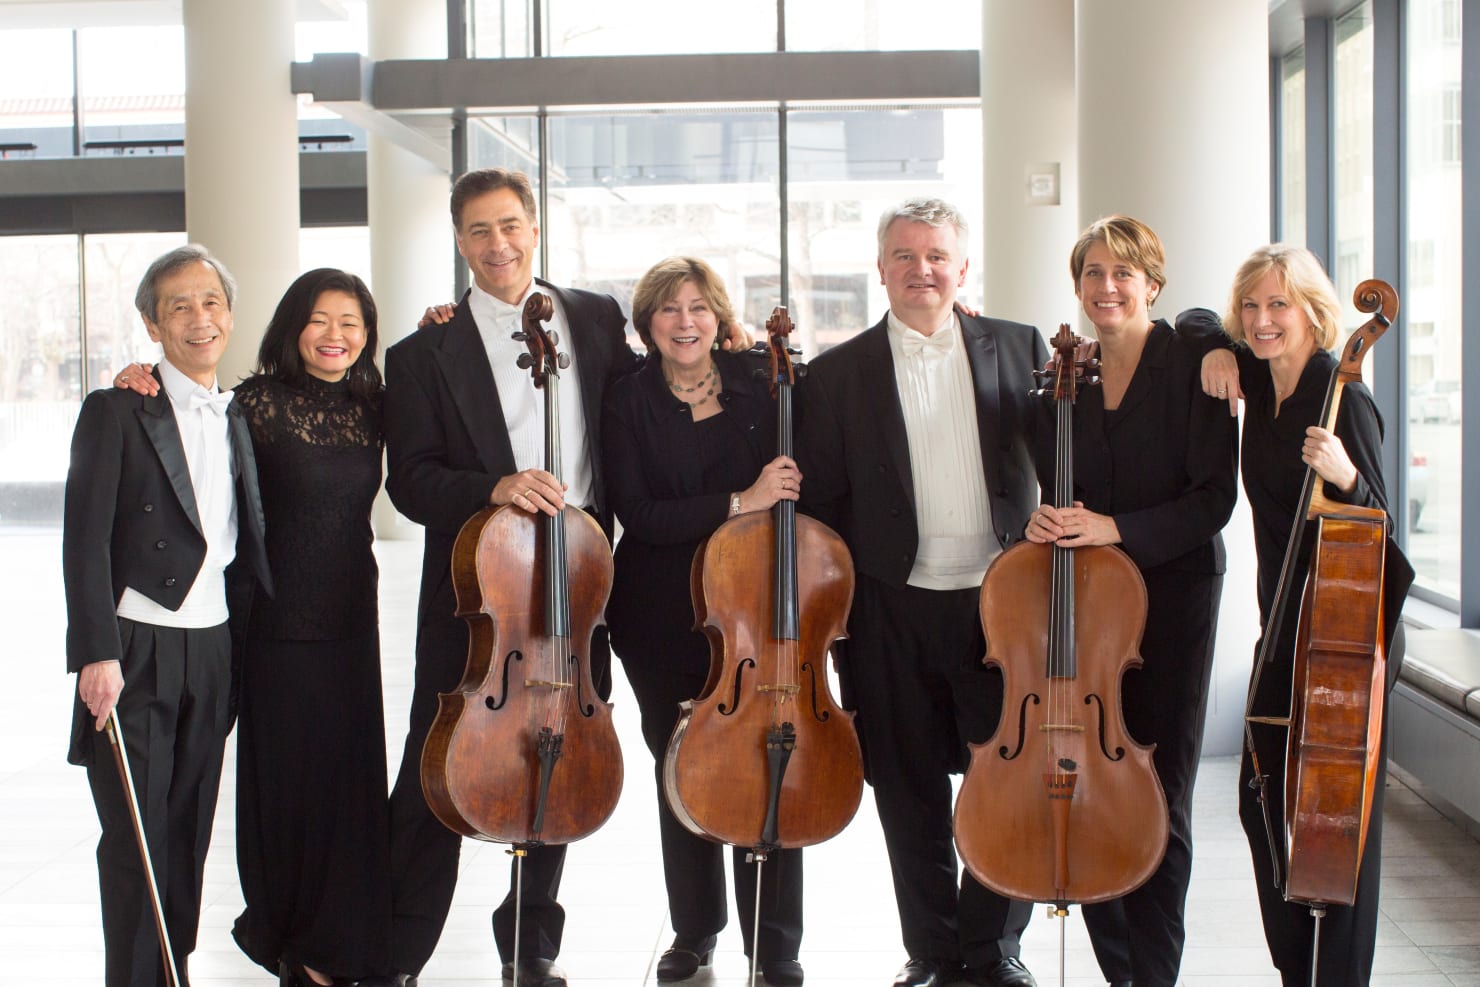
[
  {"x": 1163, "y": 465},
  {"x": 312, "y": 818},
  {"x": 670, "y": 480},
  {"x": 1273, "y": 475}
]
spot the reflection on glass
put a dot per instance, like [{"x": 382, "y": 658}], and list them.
[
  {"x": 846, "y": 168},
  {"x": 660, "y": 27},
  {"x": 40, "y": 374},
  {"x": 883, "y": 25},
  {"x": 1433, "y": 293},
  {"x": 629, "y": 190},
  {"x": 36, "y": 83},
  {"x": 132, "y": 105},
  {"x": 1292, "y": 148},
  {"x": 1352, "y": 84},
  {"x": 113, "y": 265}
]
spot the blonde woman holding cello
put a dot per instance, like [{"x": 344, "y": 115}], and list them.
[{"x": 1283, "y": 315}]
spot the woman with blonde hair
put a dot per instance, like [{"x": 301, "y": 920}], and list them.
[{"x": 1284, "y": 318}]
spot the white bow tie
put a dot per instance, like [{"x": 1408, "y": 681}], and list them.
[
  {"x": 939, "y": 343},
  {"x": 217, "y": 402}
]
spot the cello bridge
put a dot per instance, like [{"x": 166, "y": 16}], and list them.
[
  {"x": 543, "y": 683},
  {"x": 1060, "y": 728},
  {"x": 789, "y": 690}
]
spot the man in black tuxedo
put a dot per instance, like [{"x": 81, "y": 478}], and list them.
[
  {"x": 464, "y": 430},
  {"x": 161, "y": 499},
  {"x": 914, "y": 446}
]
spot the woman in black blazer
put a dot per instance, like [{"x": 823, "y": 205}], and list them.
[
  {"x": 1154, "y": 469},
  {"x": 687, "y": 442}
]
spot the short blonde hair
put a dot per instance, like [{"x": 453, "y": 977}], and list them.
[
  {"x": 1302, "y": 278},
  {"x": 662, "y": 282},
  {"x": 1129, "y": 240}
]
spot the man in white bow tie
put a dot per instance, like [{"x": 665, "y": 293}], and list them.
[
  {"x": 162, "y": 524},
  {"x": 915, "y": 448}
]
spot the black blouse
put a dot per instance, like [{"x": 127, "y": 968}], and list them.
[
  {"x": 1163, "y": 464},
  {"x": 669, "y": 480},
  {"x": 1272, "y": 471},
  {"x": 318, "y": 464}
]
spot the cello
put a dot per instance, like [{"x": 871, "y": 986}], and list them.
[
  {"x": 1334, "y": 725},
  {"x": 523, "y": 751},
  {"x": 764, "y": 757},
  {"x": 1061, "y": 804}
]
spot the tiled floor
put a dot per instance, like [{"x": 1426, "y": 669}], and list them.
[{"x": 49, "y": 927}]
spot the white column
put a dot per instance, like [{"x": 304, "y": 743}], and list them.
[
  {"x": 1028, "y": 166},
  {"x": 1174, "y": 130},
  {"x": 241, "y": 156},
  {"x": 411, "y": 247}
]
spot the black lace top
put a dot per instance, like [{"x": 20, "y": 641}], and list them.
[{"x": 318, "y": 462}]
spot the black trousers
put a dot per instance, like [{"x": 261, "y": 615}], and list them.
[
  {"x": 173, "y": 712},
  {"x": 1348, "y": 933},
  {"x": 693, "y": 867},
  {"x": 913, "y": 672},
  {"x": 424, "y": 853},
  {"x": 1139, "y": 937}
]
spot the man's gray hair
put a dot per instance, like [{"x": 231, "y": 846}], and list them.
[
  {"x": 923, "y": 209},
  {"x": 146, "y": 299}
]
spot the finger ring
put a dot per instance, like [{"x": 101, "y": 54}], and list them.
[
  {"x": 123, "y": 379},
  {"x": 1222, "y": 390}
]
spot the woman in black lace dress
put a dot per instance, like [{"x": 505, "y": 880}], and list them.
[{"x": 311, "y": 819}]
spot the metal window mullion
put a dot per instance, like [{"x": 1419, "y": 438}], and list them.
[
  {"x": 1469, "y": 535},
  {"x": 1389, "y": 256},
  {"x": 1320, "y": 165}
]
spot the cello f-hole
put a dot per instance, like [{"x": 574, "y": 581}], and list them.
[
  {"x": 1100, "y": 709},
  {"x": 503, "y": 695},
  {"x": 584, "y": 706},
  {"x": 727, "y": 709},
  {"x": 1022, "y": 728},
  {"x": 818, "y": 713}
]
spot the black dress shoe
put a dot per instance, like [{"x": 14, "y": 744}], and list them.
[
  {"x": 536, "y": 972},
  {"x": 782, "y": 973},
  {"x": 1006, "y": 972},
  {"x": 388, "y": 980},
  {"x": 683, "y": 959},
  {"x": 1122, "y": 983},
  {"x": 927, "y": 973}
]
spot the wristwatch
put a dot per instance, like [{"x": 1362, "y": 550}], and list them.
[{"x": 734, "y": 505}]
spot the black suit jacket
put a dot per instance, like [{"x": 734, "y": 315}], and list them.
[
  {"x": 130, "y": 519},
  {"x": 854, "y": 454},
  {"x": 447, "y": 443}
]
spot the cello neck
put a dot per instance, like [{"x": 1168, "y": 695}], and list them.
[
  {"x": 786, "y": 608},
  {"x": 1062, "y": 660},
  {"x": 557, "y": 592}
]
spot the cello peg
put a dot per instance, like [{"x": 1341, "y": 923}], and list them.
[
  {"x": 521, "y": 336},
  {"x": 525, "y": 361},
  {"x": 563, "y": 361},
  {"x": 554, "y": 337}
]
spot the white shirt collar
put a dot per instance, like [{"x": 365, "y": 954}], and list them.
[
  {"x": 178, "y": 386},
  {"x": 909, "y": 340}
]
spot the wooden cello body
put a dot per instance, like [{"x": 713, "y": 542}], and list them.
[
  {"x": 1061, "y": 804},
  {"x": 523, "y": 751},
  {"x": 764, "y": 757},
  {"x": 1333, "y": 748}
]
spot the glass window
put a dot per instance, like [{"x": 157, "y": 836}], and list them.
[
  {"x": 112, "y": 266},
  {"x": 846, "y": 166},
  {"x": 344, "y": 247},
  {"x": 630, "y": 189},
  {"x": 41, "y": 374},
  {"x": 500, "y": 29},
  {"x": 659, "y": 27},
  {"x": 1292, "y": 147},
  {"x": 36, "y": 94},
  {"x": 1433, "y": 294},
  {"x": 883, "y": 25},
  {"x": 1352, "y": 133},
  {"x": 132, "y": 105}
]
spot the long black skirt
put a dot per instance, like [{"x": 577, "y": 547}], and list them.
[{"x": 312, "y": 819}]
